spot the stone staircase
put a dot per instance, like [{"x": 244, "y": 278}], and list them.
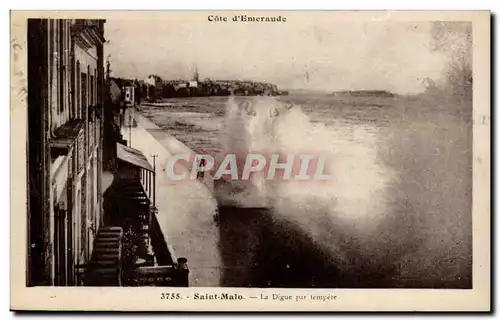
[{"x": 104, "y": 267}]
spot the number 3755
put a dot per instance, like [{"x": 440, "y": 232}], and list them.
[{"x": 170, "y": 296}]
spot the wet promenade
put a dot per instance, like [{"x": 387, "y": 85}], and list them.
[{"x": 185, "y": 208}]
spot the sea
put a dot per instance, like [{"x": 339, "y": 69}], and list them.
[{"x": 397, "y": 212}]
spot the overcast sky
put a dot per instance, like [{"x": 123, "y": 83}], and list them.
[{"x": 336, "y": 55}]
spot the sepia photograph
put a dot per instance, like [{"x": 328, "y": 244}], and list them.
[{"x": 250, "y": 157}]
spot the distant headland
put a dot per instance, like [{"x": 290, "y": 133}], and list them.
[{"x": 364, "y": 93}]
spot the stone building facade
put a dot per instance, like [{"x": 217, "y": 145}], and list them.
[{"x": 65, "y": 135}]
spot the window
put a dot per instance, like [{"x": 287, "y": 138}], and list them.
[
  {"x": 96, "y": 198},
  {"x": 97, "y": 133},
  {"x": 96, "y": 98},
  {"x": 61, "y": 64},
  {"x": 77, "y": 232},
  {"x": 60, "y": 241},
  {"x": 78, "y": 93},
  {"x": 83, "y": 91},
  {"x": 81, "y": 153},
  {"x": 50, "y": 52},
  {"x": 91, "y": 196},
  {"x": 54, "y": 77},
  {"x": 92, "y": 90},
  {"x": 83, "y": 222}
]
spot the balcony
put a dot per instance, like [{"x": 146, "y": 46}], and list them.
[{"x": 65, "y": 137}]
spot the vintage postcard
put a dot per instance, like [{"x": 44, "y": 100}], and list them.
[{"x": 250, "y": 161}]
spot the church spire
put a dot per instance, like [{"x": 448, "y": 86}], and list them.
[{"x": 196, "y": 75}]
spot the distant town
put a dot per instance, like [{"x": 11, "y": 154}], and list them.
[{"x": 154, "y": 88}]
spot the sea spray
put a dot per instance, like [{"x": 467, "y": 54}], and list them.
[
  {"x": 333, "y": 211},
  {"x": 400, "y": 199}
]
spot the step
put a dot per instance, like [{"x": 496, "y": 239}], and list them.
[
  {"x": 109, "y": 234},
  {"x": 130, "y": 197},
  {"x": 107, "y": 245},
  {"x": 107, "y": 250},
  {"x": 105, "y": 256},
  {"x": 100, "y": 249},
  {"x": 107, "y": 241},
  {"x": 114, "y": 232},
  {"x": 108, "y": 237},
  {"x": 111, "y": 228},
  {"x": 133, "y": 185},
  {"x": 101, "y": 262},
  {"x": 133, "y": 192},
  {"x": 106, "y": 232},
  {"x": 104, "y": 270}
]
